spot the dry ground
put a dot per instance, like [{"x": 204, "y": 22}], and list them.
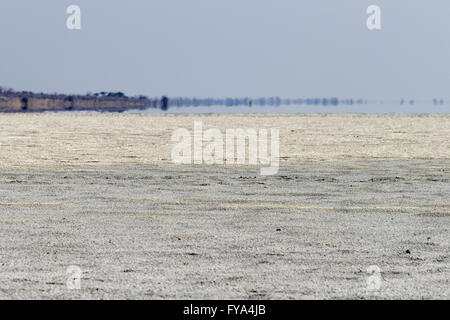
[{"x": 99, "y": 191}]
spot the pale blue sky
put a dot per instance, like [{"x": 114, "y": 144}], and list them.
[{"x": 224, "y": 48}]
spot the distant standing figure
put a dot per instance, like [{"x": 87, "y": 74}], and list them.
[{"x": 164, "y": 103}]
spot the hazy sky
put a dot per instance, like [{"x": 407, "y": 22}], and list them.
[{"x": 224, "y": 48}]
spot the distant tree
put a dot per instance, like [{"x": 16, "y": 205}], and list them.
[
  {"x": 164, "y": 103},
  {"x": 116, "y": 94},
  {"x": 24, "y": 104}
]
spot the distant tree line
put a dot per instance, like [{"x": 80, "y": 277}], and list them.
[
  {"x": 100, "y": 95},
  {"x": 271, "y": 101},
  {"x": 119, "y": 97},
  {"x": 164, "y": 103}
]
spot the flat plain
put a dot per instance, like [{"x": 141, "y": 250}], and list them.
[{"x": 99, "y": 191}]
